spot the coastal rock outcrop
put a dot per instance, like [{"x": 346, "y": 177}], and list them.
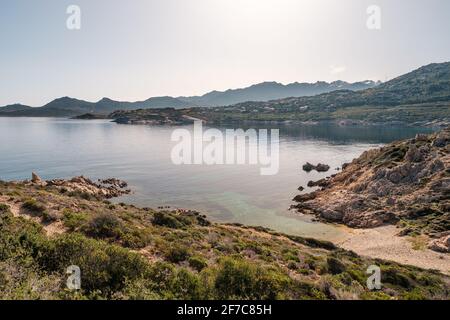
[
  {"x": 405, "y": 183},
  {"x": 441, "y": 244},
  {"x": 35, "y": 178},
  {"x": 319, "y": 168},
  {"x": 105, "y": 189}
]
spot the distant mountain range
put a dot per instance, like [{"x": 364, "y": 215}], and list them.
[
  {"x": 15, "y": 107},
  {"x": 69, "y": 107},
  {"x": 422, "y": 95},
  {"x": 428, "y": 84},
  {"x": 273, "y": 90}
]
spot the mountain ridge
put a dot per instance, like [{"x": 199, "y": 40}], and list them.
[
  {"x": 271, "y": 90},
  {"x": 67, "y": 106},
  {"x": 422, "y": 95}
]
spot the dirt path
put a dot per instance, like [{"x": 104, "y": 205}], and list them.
[{"x": 383, "y": 243}]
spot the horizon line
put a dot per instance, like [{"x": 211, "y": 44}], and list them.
[{"x": 194, "y": 95}]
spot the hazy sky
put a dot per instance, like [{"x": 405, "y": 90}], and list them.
[{"x": 132, "y": 50}]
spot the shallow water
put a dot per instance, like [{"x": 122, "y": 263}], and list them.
[{"x": 62, "y": 148}]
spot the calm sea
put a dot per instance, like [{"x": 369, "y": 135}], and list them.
[{"x": 62, "y": 148}]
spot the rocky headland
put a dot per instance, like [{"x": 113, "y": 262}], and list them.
[
  {"x": 166, "y": 116},
  {"x": 104, "y": 188},
  {"x": 90, "y": 116},
  {"x": 406, "y": 183}
]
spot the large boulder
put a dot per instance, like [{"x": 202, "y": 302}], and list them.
[
  {"x": 414, "y": 154},
  {"x": 322, "y": 167},
  {"x": 35, "y": 178},
  {"x": 442, "y": 139},
  {"x": 332, "y": 215},
  {"x": 305, "y": 197},
  {"x": 441, "y": 244},
  {"x": 319, "y": 183}
]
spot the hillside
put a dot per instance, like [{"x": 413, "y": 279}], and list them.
[
  {"x": 125, "y": 252},
  {"x": 14, "y": 108},
  {"x": 266, "y": 91},
  {"x": 406, "y": 183},
  {"x": 420, "y": 96},
  {"x": 164, "y": 116},
  {"x": 70, "y": 107}
]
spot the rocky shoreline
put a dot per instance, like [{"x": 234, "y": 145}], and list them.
[
  {"x": 103, "y": 189},
  {"x": 406, "y": 183}
]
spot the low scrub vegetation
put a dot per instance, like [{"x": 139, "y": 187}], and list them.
[{"x": 129, "y": 253}]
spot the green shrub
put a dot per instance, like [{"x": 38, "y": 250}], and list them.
[
  {"x": 292, "y": 265},
  {"x": 3, "y": 280},
  {"x": 198, "y": 263},
  {"x": 104, "y": 226},
  {"x": 18, "y": 282},
  {"x": 290, "y": 256},
  {"x": 395, "y": 277},
  {"x": 186, "y": 285},
  {"x": 49, "y": 216},
  {"x": 374, "y": 295},
  {"x": 135, "y": 238},
  {"x": 235, "y": 279},
  {"x": 177, "y": 253},
  {"x": 358, "y": 275},
  {"x": 4, "y": 208},
  {"x": 34, "y": 207},
  {"x": 140, "y": 289},
  {"x": 104, "y": 267},
  {"x": 161, "y": 274},
  {"x": 164, "y": 281},
  {"x": 414, "y": 294},
  {"x": 335, "y": 266},
  {"x": 238, "y": 279},
  {"x": 39, "y": 210},
  {"x": 271, "y": 284},
  {"x": 74, "y": 220},
  {"x": 311, "y": 262},
  {"x": 166, "y": 220}
]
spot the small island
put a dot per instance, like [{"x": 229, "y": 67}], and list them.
[{"x": 90, "y": 116}]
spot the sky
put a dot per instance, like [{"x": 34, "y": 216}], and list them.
[{"x": 133, "y": 50}]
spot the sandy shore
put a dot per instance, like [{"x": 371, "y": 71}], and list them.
[{"x": 383, "y": 243}]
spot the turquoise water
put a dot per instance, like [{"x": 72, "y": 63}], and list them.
[{"x": 62, "y": 148}]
